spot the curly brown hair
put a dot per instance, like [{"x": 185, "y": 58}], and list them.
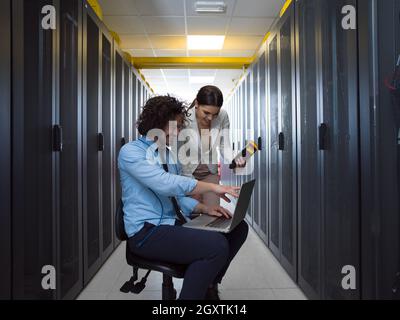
[{"x": 158, "y": 111}]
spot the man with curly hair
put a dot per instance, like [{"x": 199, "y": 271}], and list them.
[{"x": 154, "y": 193}]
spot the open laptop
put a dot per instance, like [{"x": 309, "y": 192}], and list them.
[{"x": 205, "y": 222}]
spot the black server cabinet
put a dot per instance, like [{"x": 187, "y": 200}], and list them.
[
  {"x": 380, "y": 148},
  {"x": 108, "y": 201},
  {"x": 287, "y": 144},
  {"x": 33, "y": 172},
  {"x": 5, "y": 155},
  {"x": 309, "y": 162},
  {"x": 92, "y": 148},
  {"x": 46, "y": 133},
  {"x": 97, "y": 149},
  {"x": 255, "y": 135},
  {"x": 339, "y": 150},
  {"x": 282, "y": 143},
  {"x": 328, "y": 159},
  {"x": 262, "y": 176},
  {"x": 120, "y": 139},
  {"x": 127, "y": 104},
  {"x": 248, "y": 126},
  {"x": 139, "y": 94},
  {"x": 273, "y": 143},
  {"x": 70, "y": 180},
  {"x": 135, "y": 114}
]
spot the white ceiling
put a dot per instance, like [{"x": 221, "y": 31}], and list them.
[
  {"x": 176, "y": 81},
  {"x": 158, "y": 28}
]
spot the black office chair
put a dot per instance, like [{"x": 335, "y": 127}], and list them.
[{"x": 168, "y": 270}]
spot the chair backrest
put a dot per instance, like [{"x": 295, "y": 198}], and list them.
[{"x": 119, "y": 222}]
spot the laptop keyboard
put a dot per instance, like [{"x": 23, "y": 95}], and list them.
[{"x": 219, "y": 223}]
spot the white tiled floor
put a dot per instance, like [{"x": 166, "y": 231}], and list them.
[{"x": 255, "y": 274}]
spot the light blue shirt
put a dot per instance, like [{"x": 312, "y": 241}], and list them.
[{"x": 147, "y": 187}]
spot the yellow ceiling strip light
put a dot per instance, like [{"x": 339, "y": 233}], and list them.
[
  {"x": 191, "y": 62},
  {"x": 96, "y": 8}
]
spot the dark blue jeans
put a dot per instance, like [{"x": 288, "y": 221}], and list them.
[{"x": 207, "y": 254}]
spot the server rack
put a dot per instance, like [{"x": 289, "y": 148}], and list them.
[
  {"x": 98, "y": 204},
  {"x": 32, "y": 135},
  {"x": 68, "y": 55},
  {"x": 379, "y": 145},
  {"x": 327, "y": 149},
  {"x": 263, "y": 151},
  {"x": 5, "y": 156}
]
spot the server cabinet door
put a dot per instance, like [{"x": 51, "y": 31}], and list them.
[
  {"x": 135, "y": 114},
  {"x": 70, "y": 177},
  {"x": 380, "y": 148},
  {"x": 287, "y": 165},
  {"x": 5, "y": 146},
  {"x": 262, "y": 153},
  {"x": 274, "y": 223},
  {"x": 340, "y": 155},
  {"x": 248, "y": 127},
  {"x": 256, "y": 134},
  {"x": 107, "y": 146},
  {"x": 139, "y": 94},
  {"x": 33, "y": 111},
  {"x": 309, "y": 164},
  {"x": 92, "y": 148},
  {"x": 127, "y": 104},
  {"x": 119, "y": 119},
  {"x": 388, "y": 149}
]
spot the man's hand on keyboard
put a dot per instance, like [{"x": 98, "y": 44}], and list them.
[{"x": 219, "y": 212}]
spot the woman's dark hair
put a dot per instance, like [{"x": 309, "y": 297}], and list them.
[
  {"x": 158, "y": 111},
  {"x": 209, "y": 96}
]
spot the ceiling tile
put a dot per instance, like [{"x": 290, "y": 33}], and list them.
[
  {"x": 207, "y": 25},
  {"x": 190, "y": 9},
  {"x": 242, "y": 42},
  {"x": 170, "y": 53},
  {"x": 164, "y": 25},
  {"x": 168, "y": 42},
  {"x": 124, "y": 24},
  {"x": 141, "y": 52},
  {"x": 176, "y": 73},
  {"x": 258, "y": 8},
  {"x": 238, "y": 53},
  {"x": 134, "y": 42},
  {"x": 250, "y": 26},
  {"x": 202, "y": 72},
  {"x": 204, "y": 53},
  {"x": 118, "y": 7},
  {"x": 160, "y": 7}
]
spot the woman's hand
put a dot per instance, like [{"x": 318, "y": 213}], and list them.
[
  {"x": 218, "y": 211},
  {"x": 241, "y": 162},
  {"x": 223, "y": 191}
]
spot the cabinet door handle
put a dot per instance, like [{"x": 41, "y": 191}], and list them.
[
  {"x": 281, "y": 141},
  {"x": 233, "y": 146},
  {"x": 101, "y": 142},
  {"x": 260, "y": 144},
  {"x": 57, "y": 138},
  {"x": 323, "y": 132}
]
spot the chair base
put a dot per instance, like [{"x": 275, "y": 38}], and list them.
[{"x": 168, "y": 290}]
